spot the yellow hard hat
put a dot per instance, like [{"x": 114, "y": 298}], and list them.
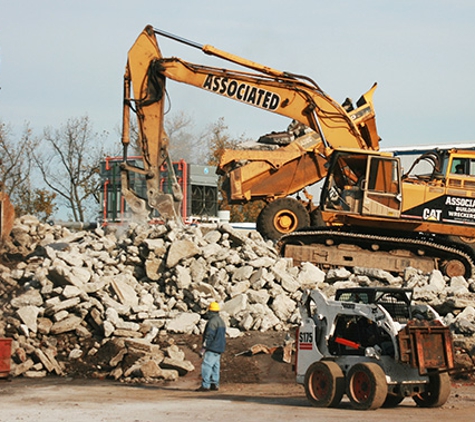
[{"x": 214, "y": 307}]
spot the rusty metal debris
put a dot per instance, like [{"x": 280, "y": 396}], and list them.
[{"x": 258, "y": 348}]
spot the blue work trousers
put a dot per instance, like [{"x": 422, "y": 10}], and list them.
[{"x": 210, "y": 369}]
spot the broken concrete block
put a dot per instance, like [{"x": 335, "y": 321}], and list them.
[
  {"x": 17, "y": 370},
  {"x": 310, "y": 276},
  {"x": 437, "y": 281},
  {"x": 79, "y": 276},
  {"x": 179, "y": 250},
  {"x": 183, "y": 277},
  {"x": 127, "y": 325},
  {"x": 337, "y": 274},
  {"x": 60, "y": 315},
  {"x": 181, "y": 366},
  {"x": 232, "y": 332},
  {"x": 242, "y": 273},
  {"x": 71, "y": 291},
  {"x": 258, "y": 296},
  {"x": 63, "y": 305},
  {"x": 213, "y": 236},
  {"x": 157, "y": 246},
  {"x": 29, "y": 314},
  {"x": 47, "y": 358},
  {"x": 75, "y": 354},
  {"x": 152, "y": 267},
  {"x": 31, "y": 297},
  {"x": 127, "y": 333},
  {"x": 198, "y": 269},
  {"x": 210, "y": 250},
  {"x": 169, "y": 375},
  {"x": 108, "y": 328},
  {"x": 235, "y": 305},
  {"x": 35, "y": 374},
  {"x": 115, "y": 360},
  {"x": 44, "y": 325},
  {"x": 116, "y": 373},
  {"x": 175, "y": 353},
  {"x": 183, "y": 323},
  {"x": 239, "y": 288},
  {"x": 70, "y": 323},
  {"x": 283, "y": 306},
  {"x": 151, "y": 369},
  {"x": 108, "y": 302},
  {"x": 141, "y": 346},
  {"x": 125, "y": 292},
  {"x": 83, "y": 332},
  {"x": 287, "y": 282}
]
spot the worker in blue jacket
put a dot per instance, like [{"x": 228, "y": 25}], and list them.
[{"x": 214, "y": 343}]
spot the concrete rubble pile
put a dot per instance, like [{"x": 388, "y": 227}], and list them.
[{"x": 108, "y": 303}]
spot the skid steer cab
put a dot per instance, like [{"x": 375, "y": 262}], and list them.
[{"x": 373, "y": 345}]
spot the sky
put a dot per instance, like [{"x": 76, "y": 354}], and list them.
[{"x": 62, "y": 59}]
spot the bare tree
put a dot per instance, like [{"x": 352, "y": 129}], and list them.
[
  {"x": 218, "y": 139},
  {"x": 15, "y": 166},
  {"x": 69, "y": 160},
  {"x": 16, "y": 163},
  {"x": 184, "y": 142}
]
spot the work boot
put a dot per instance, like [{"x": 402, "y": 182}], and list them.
[
  {"x": 214, "y": 387},
  {"x": 201, "y": 388}
]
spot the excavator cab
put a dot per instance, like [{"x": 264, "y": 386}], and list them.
[{"x": 363, "y": 184}]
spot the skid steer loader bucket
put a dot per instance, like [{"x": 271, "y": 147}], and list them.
[{"x": 427, "y": 346}]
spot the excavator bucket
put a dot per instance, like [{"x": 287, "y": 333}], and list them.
[{"x": 7, "y": 215}]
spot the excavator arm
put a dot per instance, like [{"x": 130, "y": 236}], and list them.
[
  {"x": 284, "y": 93},
  {"x": 143, "y": 94}
]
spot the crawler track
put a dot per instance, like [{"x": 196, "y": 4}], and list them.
[{"x": 334, "y": 247}]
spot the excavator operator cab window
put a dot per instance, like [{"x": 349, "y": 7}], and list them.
[
  {"x": 464, "y": 166},
  {"x": 462, "y": 173},
  {"x": 343, "y": 190},
  {"x": 459, "y": 166}
]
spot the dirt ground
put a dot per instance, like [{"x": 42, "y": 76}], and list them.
[
  {"x": 66, "y": 399},
  {"x": 254, "y": 387},
  {"x": 240, "y": 366}
]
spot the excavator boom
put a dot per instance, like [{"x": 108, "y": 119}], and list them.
[{"x": 294, "y": 96}]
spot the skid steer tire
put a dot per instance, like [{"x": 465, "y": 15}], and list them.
[
  {"x": 282, "y": 216},
  {"x": 367, "y": 388},
  {"x": 324, "y": 384},
  {"x": 437, "y": 392}
]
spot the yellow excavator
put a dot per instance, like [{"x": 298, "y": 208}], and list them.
[
  {"x": 250, "y": 174},
  {"x": 370, "y": 213}
]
